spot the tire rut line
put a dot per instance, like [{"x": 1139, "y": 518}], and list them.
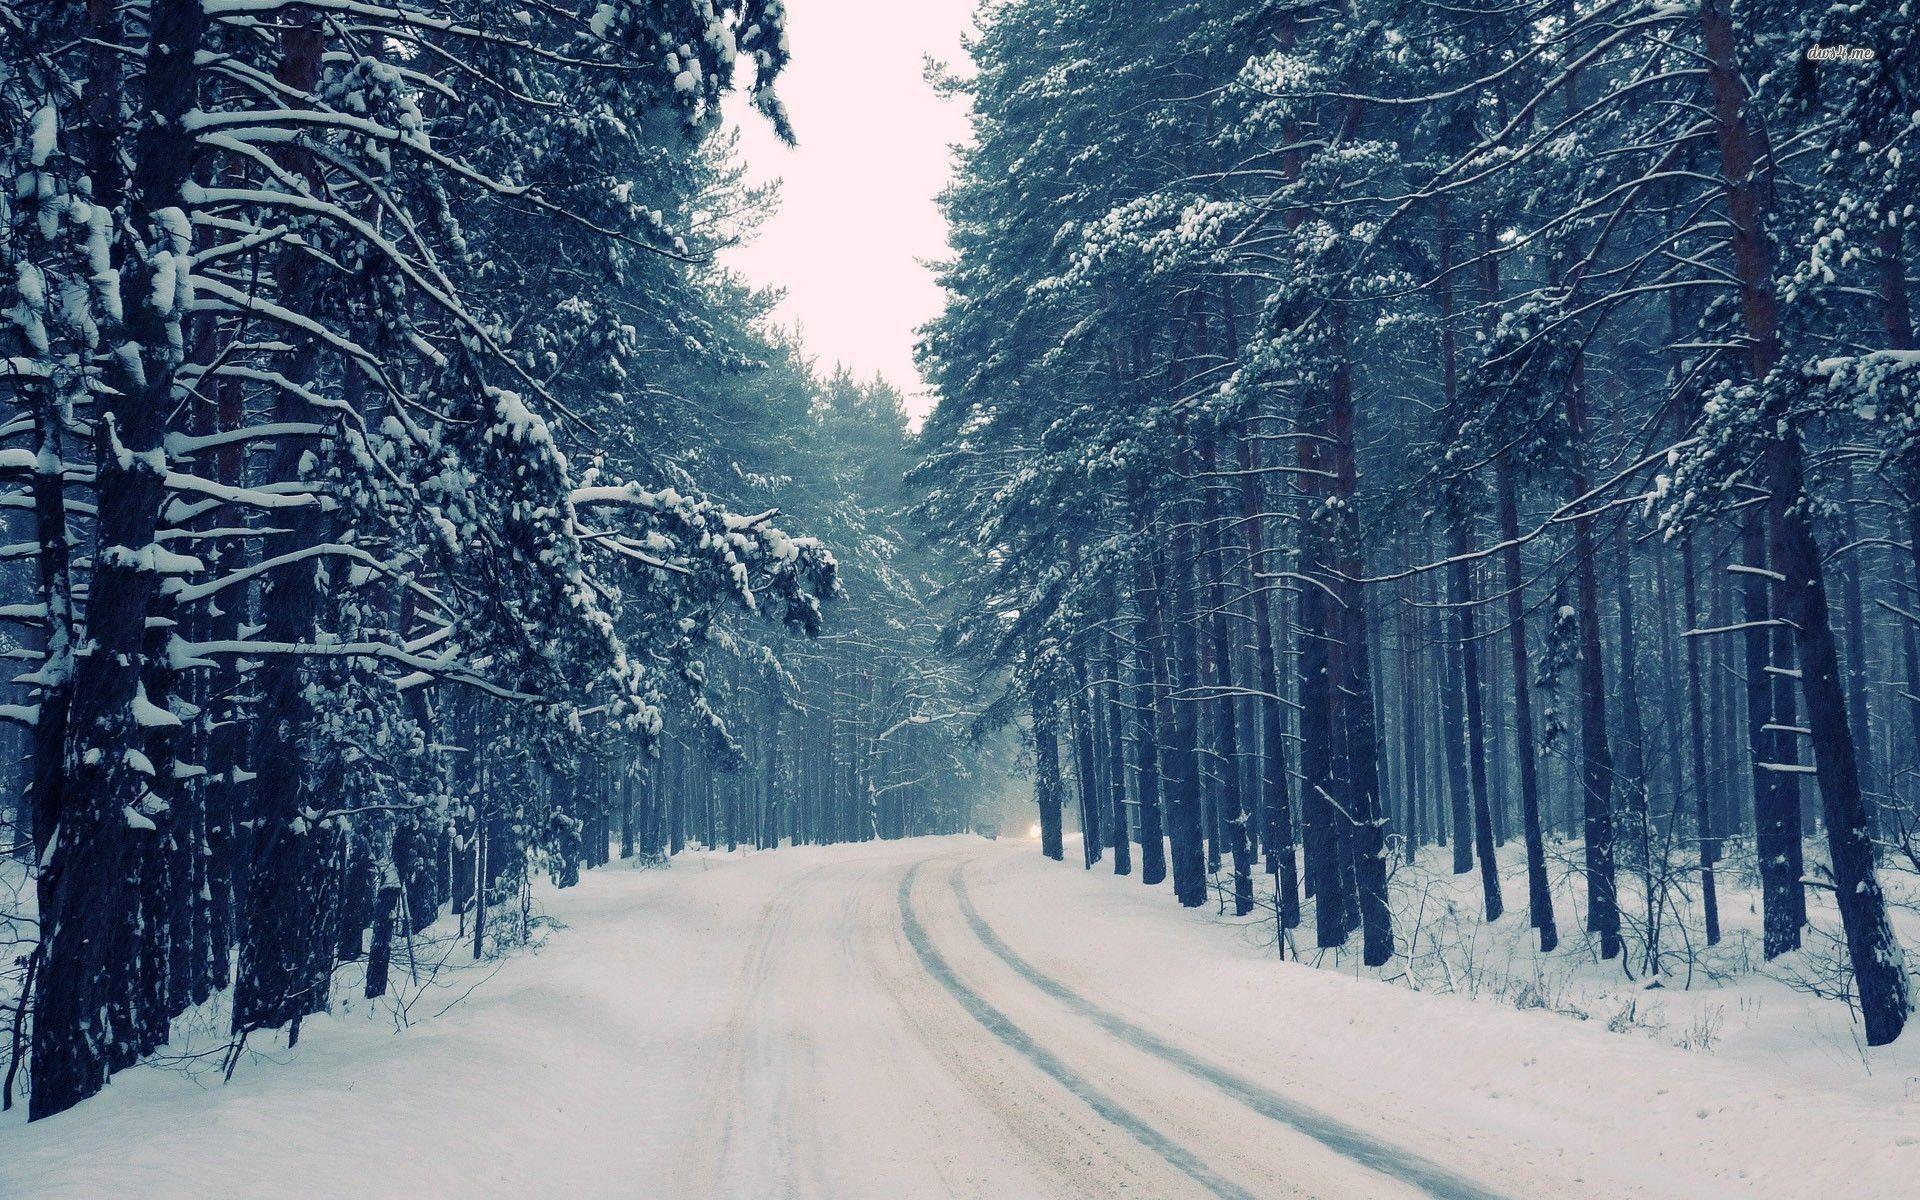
[
  {"x": 721, "y": 1098},
  {"x": 1003, "y": 1028},
  {"x": 1343, "y": 1139}
]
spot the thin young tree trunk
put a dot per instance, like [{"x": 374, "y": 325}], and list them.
[
  {"x": 1453, "y": 731},
  {"x": 1670, "y": 689},
  {"x": 1632, "y": 772},
  {"x": 1046, "y": 771},
  {"x": 1146, "y": 727},
  {"x": 1704, "y": 825},
  {"x": 1526, "y": 742},
  {"x": 1498, "y": 771},
  {"x": 1206, "y": 756},
  {"x": 777, "y": 796},
  {"x": 1412, "y": 722},
  {"x": 1909, "y": 635},
  {"x": 1116, "y": 756},
  {"x": 1466, "y": 645},
  {"x": 1735, "y": 818},
  {"x": 677, "y": 798},
  {"x": 1466, "y": 642},
  {"x": 1603, "y": 909},
  {"x": 1226, "y": 723},
  {"x": 626, "y": 812},
  {"x": 1276, "y": 801},
  {"x": 1084, "y": 770}
]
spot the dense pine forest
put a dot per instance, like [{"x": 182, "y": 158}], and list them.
[
  {"x": 1383, "y": 425},
  {"x": 403, "y": 505},
  {"x": 1433, "y": 486}
]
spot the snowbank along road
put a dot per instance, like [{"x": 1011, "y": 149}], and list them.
[{"x": 948, "y": 1018}]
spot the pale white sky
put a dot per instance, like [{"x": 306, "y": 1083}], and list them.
[{"x": 858, "y": 212}]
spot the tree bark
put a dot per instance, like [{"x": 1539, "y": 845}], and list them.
[
  {"x": 1603, "y": 908},
  {"x": 86, "y": 912},
  {"x": 1704, "y": 825},
  {"x": 1632, "y": 772},
  {"x": 1466, "y": 640},
  {"x": 1226, "y": 724},
  {"x": 1046, "y": 771},
  {"x": 1185, "y": 818},
  {"x": 1539, "y": 887},
  {"x": 1276, "y": 801},
  {"x": 1146, "y": 727},
  {"x": 1357, "y": 773},
  {"x": 1116, "y": 756},
  {"x": 1086, "y": 773},
  {"x": 1879, "y": 972}
]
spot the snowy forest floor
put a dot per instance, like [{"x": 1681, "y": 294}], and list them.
[
  {"x": 1793, "y": 1014},
  {"x": 953, "y": 1017}
]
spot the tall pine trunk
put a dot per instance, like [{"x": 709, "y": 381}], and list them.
[
  {"x": 1467, "y": 646},
  {"x": 1539, "y": 887},
  {"x": 1363, "y": 822},
  {"x": 1185, "y": 808},
  {"x": 1317, "y": 689},
  {"x": 87, "y": 910},
  {"x": 1115, "y": 750},
  {"x": 1878, "y": 969},
  {"x": 1596, "y": 756},
  {"x": 1632, "y": 774},
  {"x": 1276, "y": 800},
  {"x": 1776, "y": 796}
]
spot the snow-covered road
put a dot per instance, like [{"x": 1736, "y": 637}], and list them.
[{"x": 951, "y": 1017}]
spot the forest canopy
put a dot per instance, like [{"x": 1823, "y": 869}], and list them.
[
  {"x": 1380, "y": 424},
  {"x": 401, "y": 500}
]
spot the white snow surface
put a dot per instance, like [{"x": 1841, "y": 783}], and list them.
[{"x": 836, "y": 1023}]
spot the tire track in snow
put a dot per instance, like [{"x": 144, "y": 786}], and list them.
[
  {"x": 745, "y": 1064},
  {"x": 1000, "y": 1026},
  {"x": 1342, "y": 1139}
]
